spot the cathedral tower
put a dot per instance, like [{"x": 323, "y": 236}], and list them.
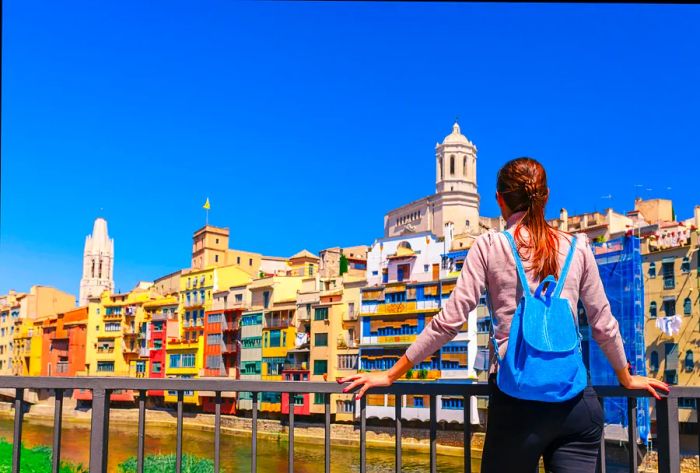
[{"x": 98, "y": 263}]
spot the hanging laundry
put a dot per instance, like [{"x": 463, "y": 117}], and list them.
[{"x": 669, "y": 325}]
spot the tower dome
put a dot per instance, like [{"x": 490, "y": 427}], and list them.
[{"x": 456, "y": 137}]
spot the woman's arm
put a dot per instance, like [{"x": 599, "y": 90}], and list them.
[
  {"x": 605, "y": 328},
  {"x": 471, "y": 284}
]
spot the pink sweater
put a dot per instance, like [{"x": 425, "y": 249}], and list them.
[{"x": 490, "y": 266}]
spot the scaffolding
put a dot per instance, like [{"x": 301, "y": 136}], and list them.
[{"x": 620, "y": 266}]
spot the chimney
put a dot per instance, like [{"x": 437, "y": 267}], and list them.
[{"x": 563, "y": 220}]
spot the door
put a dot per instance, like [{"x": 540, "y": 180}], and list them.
[{"x": 436, "y": 272}]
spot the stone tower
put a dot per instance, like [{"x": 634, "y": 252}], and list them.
[
  {"x": 456, "y": 192},
  {"x": 98, "y": 263}
]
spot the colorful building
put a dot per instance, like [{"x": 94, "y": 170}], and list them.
[
  {"x": 9, "y": 312},
  {"x": 222, "y": 347},
  {"x": 162, "y": 323},
  {"x": 64, "y": 340},
  {"x": 409, "y": 279}
]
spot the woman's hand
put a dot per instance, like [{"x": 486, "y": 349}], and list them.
[
  {"x": 642, "y": 382},
  {"x": 367, "y": 380}
]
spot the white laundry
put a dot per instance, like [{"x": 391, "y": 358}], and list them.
[{"x": 669, "y": 325}]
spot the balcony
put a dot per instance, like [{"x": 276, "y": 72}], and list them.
[
  {"x": 62, "y": 367},
  {"x": 98, "y": 389},
  {"x": 301, "y": 366},
  {"x": 350, "y": 316},
  {"x": 158, "y": 317},
  {"x": 144, "y": 352},
  {"x": 112, "y": 316}
]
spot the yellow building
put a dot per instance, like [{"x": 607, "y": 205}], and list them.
[
  {"x": 9, "y": 312},
  {"x": 25, "y": 310},
  {"x": 184, "y": 354},
  {"x": 210, "y": 249}
]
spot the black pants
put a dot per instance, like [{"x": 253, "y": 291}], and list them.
[{"x": 566, "y": 434}]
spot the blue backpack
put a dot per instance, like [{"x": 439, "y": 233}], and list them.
[{"x": 543, "y": 361}]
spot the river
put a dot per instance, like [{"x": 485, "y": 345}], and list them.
[{"x": 235, "y": 449}]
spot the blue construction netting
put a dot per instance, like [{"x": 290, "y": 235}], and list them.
[{"x": 620, "y": 266}]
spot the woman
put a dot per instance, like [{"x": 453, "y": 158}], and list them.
[{"x": 566, "y": 434}]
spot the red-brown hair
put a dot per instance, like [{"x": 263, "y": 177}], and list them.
[{"x": 522, "y": 183}]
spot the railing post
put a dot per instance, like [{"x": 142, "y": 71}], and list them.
[
  {"x": 601, "y": 451},
  {"x": 467, "y": 442},
  {"x": 667, "y": 434},
  {"x": 433, "y": 434},
  {"x": 363, "y": 434},
  {"x": 57, "y": 423},
  {"x": 142, "y": 431},
  {"x": 290, "y": 403},
  {"x": 178, "y": 446},
  {"x": 398, "y": 399},
  {"x": 99, "y": 430},
  {"x": 217, "y": 431},
  {"x": 327, "y": 433},
  {"x": 254, "y": 433},
  {"x": 17, "y": 435},
  {"x": 632, "y": 433}
]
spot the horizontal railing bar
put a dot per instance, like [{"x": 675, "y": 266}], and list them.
[{"x": 228, "y": 385}]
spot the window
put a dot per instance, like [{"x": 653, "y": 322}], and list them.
[
  {"x": 157, "y": 326},
  {"x": 347, "y": 362},
  {"x": 652, "y": 310},
  {"x": 453, "y": 403},
  {"x": 685, "y": 265},
  {"x": 238, "y": 297},
  {"x": 689, "y": 362},
  {"x": 654, "y": 361},
  {"x": 113, "y": 327},
  {"x": 652, "y": 270},
  {"x": 214, "y": 339},
  {"x": 216, "y": 258},
  {"x": 320, "y": 367},
  {"x": 266, "y": 299},
  {"x": 319, "y": 398},
  {"x": 687, "y": 306},
  {"x": 671, "y": 377},
  {"x": 157, "y": 344},
  {"x": 669, "y": 307},
  {"x": 175, "y": 361},
  {"x": 251, "y": 368},
  {"x": 156, "y": 366},
  {"x": 188, "y": 360},
  {"x": 321, "y": 313},
  {"x": 214, "y": 318},
  {"x": 251, "y": 342},
  {"x": 274, "y": 338},
  {"x": 669, "y": 277},
  {"x": 105, "y": 367},
  {"x": 250, "y": 262},
  {"x": 321, "y": 339},
  {"x": 140, "y": 366},
  {"x": 213, "y": 362},
  {"x": 426, "y": 268},
  {"x": 464, "y": 166},
  {"x": 418, "y": 402},
  {"x": 452, "y": 165},
  {"x": 686, "y": 402},
  {"x": 238, "y": 260}
]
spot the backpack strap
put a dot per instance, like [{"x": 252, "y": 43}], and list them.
[
  {"x": 518, "y": 264},
  {"x": 565, "y": 269}
]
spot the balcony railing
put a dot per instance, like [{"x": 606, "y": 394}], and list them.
[{"x": 667, "y": 428}]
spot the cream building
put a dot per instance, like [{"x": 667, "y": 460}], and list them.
[
  {"x": 455, "y": 201},
  {"x": 98, "y": 263}
]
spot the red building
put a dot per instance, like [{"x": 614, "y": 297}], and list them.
[
  {"x": 63, "y": 343},
  {"x": 161, "y": 317},
  {"x": 301, "y": 401},
  {"x": 221, "y": 354}
]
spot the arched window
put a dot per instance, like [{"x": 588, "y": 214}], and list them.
[
  {"x": 652, "y": 270},
  {"x": 464, "y": 168},
  {"x": 687, "y": 306},
  {"x": 685, "y": 265},
  {"x": 652, "y": 309},
  {"x": 92, "y": 275},
  {"x": 440, "y": 163},
  {"x": 452, "y": 165},
  {"x": 654, "y": 362},
  {"x": 689, "y": 362}
]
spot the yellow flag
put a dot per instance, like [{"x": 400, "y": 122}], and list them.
[{"x": 206, "y": 204}]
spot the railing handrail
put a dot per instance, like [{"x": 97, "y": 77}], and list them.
[{"x": 224, "y": 384}]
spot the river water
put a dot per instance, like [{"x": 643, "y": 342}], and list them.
[{"x": 235, "y": 449}]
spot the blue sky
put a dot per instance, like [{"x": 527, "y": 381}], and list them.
[{"x": 305, "y": 122}]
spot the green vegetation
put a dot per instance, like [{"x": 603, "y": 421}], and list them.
[
  {"x": 423, "y": 374},
  {"x": 343, "y": 264},
  {"x": 34, "y": 460},
  {"x": 166, "y": 464}
]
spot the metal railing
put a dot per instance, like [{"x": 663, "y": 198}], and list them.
[{"x": 667, "y": 428}]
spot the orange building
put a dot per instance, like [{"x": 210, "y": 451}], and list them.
[{"x": 63, "y": 343}]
